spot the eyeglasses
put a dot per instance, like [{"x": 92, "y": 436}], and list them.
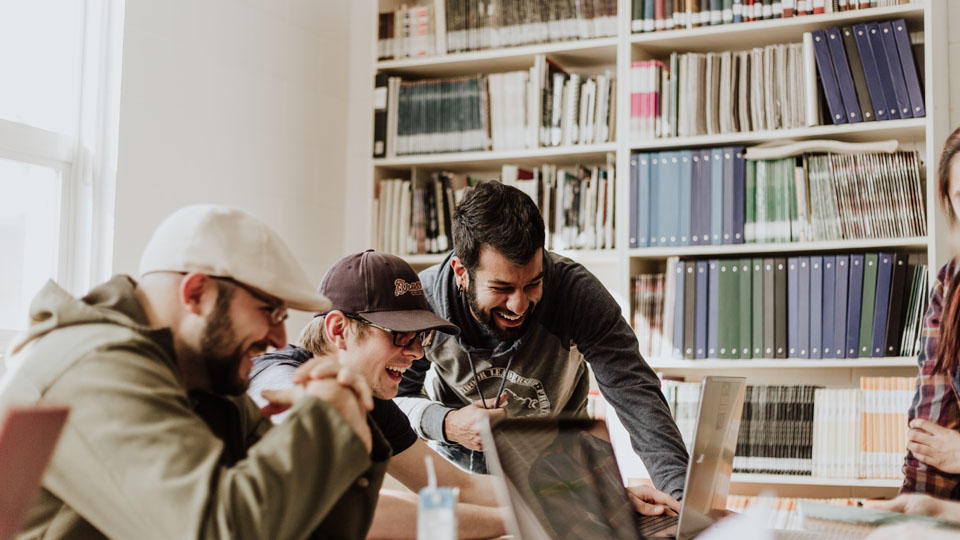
[
  {"x": 276, "y": 312},
  {"x": 401, "y": 339}
]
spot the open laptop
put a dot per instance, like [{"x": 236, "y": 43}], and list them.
[
  {"x": 28, "y": 435},
  {"x": 558, "y": 478}
]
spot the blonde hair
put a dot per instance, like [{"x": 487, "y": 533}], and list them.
[{"x": 313, "y": 337}]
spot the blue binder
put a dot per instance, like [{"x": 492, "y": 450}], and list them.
[
  {"x": 700, "y": 199},
  {"x": 701, "y": 306},
  {"x": 636, "y": 207},
  {"x": 840, "y": 312},
  {"x": 909, "y": 65},
  {"x": 884, "y": 275},
  {"x": 828, "y": 77},
  {"x": 645, "y": 219},
  {"x": 816, "y": 306},
  {"x": 841, "y": 66},
  {"x": 870, "y": 72},
  {"x": 713, "y": 307},
  {"x": 827, "y": 349},
  {"x": 854, "y": 297},
  {"x": 793, "y": 304},
  {"x": 896, "y": 70},
  {"x": 803, "y": 307},
  {"x": 721, "y": 159},
  {"x": 739, "y": 195},
  {"x": 883, "y": 70},
  {"x": 688, "y": 166},
  {"x": 665, "y": 200}
]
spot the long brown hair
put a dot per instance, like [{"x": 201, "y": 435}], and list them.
[{"x": 948, "y": 348}]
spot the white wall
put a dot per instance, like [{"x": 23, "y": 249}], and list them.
[{"x": 239, "y": 102}]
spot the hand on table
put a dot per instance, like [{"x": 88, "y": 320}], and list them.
[{"x": 650, "y": 501}]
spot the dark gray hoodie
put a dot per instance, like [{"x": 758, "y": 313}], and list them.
[{"x": 576, "y": 320}]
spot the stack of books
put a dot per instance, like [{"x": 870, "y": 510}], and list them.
[{"x": 845, "y": 305}]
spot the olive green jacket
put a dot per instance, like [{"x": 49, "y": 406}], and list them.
[{"x": 135, "y": 460}]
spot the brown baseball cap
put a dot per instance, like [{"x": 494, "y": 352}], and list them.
[{"x": 385, "y": 290}]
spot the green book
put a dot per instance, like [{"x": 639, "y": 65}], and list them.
[
  {"x": 756, "y": 311},
  {"x": 728, "y": 317},
  {"x": 746, "y": 305},
  {"x": 790, "y": 177},
  {"x": 867, "y": 303},
  {"x": 750, "y": 203}
]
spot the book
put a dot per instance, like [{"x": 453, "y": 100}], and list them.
[
  {"x": 868, "y": 303},
  {"x": 828, "y": 77},
  {"x": 854, "y": 299},
  {"x": 857, "y": 72},
  {"x": 841, "y": 67}
]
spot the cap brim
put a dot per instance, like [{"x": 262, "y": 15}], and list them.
[
  {"x": 315, "y": 302},
  {"x": 411, "y": 320}
]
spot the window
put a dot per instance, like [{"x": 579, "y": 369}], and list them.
[{"x": 60, "y": 61}]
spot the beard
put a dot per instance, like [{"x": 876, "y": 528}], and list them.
[
  {"x": 220, "y": 357},
  {"x": 486, "y": 316}
]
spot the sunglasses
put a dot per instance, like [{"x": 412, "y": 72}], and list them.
[{"x": 400, "y": 339}]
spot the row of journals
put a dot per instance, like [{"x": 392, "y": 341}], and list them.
[
  {"x": 543, "y": 106},
  {"x": 867, "y": 72},
  {"x": 657, "y": 15},
  {"x": 782, "y": 513},
  {"x": 818, "y": 306},
  {"x": 414, "y": 217},
  {"x": 716, "y": 196},
  {"x": 437, "y": 27},
  {"x": 812, "y": 431}
]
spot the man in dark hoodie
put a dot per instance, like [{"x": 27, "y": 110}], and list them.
[
  {"x": 161, "y": 442},
  {"x": 530, "y": 321}
]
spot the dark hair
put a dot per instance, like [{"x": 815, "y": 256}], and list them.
[
  {"x": 500, "y": 216},
  {"x": 948, "y": 347}
]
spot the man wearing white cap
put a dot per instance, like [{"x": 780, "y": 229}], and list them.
[{"x": 140, "y": 362}]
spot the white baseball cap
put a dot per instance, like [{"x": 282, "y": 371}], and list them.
[{"x": 226, "y": 242}]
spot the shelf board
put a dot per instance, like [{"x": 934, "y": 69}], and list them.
[
  {"x": 910, "y": 129},
  {"x": 758, "y": 33},
  {"x": 797, "y": 480},
  {"x": 462, "y": 161},
  {"x": 427, "y": 259},
  {"x": 590, "y": 256},
  {"x": 575, "y": 53},
  {"x": 919, "y": 242},
  {"x": 784, "y": 363}
]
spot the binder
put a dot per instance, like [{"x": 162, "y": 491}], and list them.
[
  {"x": 768, "y": 309},
  {"x": 657, "y": 196},
  {"x": 645, "y": 210},
  {"x": 380, "y": 95},
  {"x": 881, "y": 303},
  {"x": 896, "y": 305},
  {"x": 841, "y": 66},
  {"x": 728, "y": 196},
  {"x": 756, "y": 310},
  {"x": 828, "y": 77},
  {"x": 746, "y": 304},
  {"x": 829, "y": 298},
  {"x": 685, "y": 184},
  {"x": 816, "y": 306},
  {"x": 793, "y": 304},
  {"x": 854, "y": 300},
  {"x": 780, "y": 308},
  {"x": 739, "y": 173},
  {"x": 909, "y": 65},
  {"x": 636, "y": 205},
  {"x": 700, "y": 193},
  {"x": 700, "y": 333},
  {"x": 870, "y": 71},
  {"x": 896, "y": 70},
  {"x": 840, "y": 313},
  {"x": 868, "y": 303},
  {"x": 856, "y": 71},
  {"x": 728, "y": 335},
  {"x": 666, "y": 199},
  {"x": 679, "y": 307},
  {"x": 689, "y": 309},
  {"x": 722, "y": 159},
  {"x": 803, "y": 307},
  {"x": 883, "y": 70},
  {"x": 713, "y": 290}
]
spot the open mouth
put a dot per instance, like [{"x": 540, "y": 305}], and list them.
[
  {"x": 395, "y": 374},
  {"x": 509, "y": 320}
]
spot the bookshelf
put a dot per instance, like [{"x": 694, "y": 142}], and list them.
[{"x": 616, "y": 266}]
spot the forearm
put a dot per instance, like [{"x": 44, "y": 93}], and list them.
[
  {"x": 426, "y": 416},
  {"x": 396, "y": 517},
  {"x": 479, "y": 491}
]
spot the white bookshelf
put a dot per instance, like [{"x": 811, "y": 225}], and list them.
[{"x": 615, "y": 267}]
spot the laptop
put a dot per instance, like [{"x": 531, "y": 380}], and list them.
[
  {"x": 28, "y": 435},
  {"x": 558, "y": 477}
]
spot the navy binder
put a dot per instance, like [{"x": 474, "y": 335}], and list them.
[
  {"x": 883, "y": 70},
  {"x": 856, "y": 70},
  {"x": 909, "y": 65},
  {"x": 688, "y": 166},
  {"x": 635, "y": 205},
  {"x": 803, "y": 307},
  {"x": 828, "y": 77},
  {"x": 841, "y": 66},
  {"x": 829, "y": 298},
  {"x": 700, "y": 350},
  {"x": 898, "y": 293},
  {"x": 854, "y": 297},
  {"x": 712, "y": 307},
  {"x": 896, "y": 70},
  {"x": 881, "y": 303},
  {"x": 678, "y": 310},
  {"x": 816, "y": 306},
  {"x": 739, "y": 195},
  {"x": 840, "y": 313},
  {"x": 793, "y": 303},
  {"x": 728, "y": 196},
  {"x": 700, "y": 200},
  {"x": 870, "y": 72},
  {"x": 722, "y": 159}
]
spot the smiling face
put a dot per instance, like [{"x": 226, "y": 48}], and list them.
[
  {"x": 501, "y": 294},
  {"x": 371, "y": 353}
]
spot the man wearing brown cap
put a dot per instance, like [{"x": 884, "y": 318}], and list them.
[
  {"x": 378, "y": 325},
  {"x": 141, "y": 364}
]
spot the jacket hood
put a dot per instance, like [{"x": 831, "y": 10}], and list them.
[{"x": 113, "y": 302}]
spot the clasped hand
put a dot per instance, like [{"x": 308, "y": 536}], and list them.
[
  {"x": 934, "y": 445},
  {"x": 345, "y": 390}
]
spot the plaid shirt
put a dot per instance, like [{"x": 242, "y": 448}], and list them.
[{"x": 935, "y": 399}]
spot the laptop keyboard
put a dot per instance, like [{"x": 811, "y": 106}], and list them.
[{"x": 652, "y": 524}]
